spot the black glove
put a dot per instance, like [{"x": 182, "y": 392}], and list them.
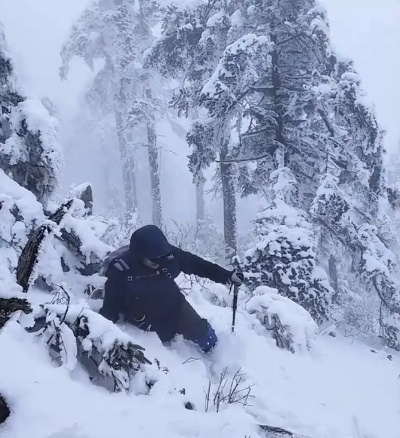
[{"x": 237, "y": 278}]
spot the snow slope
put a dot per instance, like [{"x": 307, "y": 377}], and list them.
[{"x": 340, "y": 389}]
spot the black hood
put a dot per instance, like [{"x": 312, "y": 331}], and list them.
[{"x": 149, "y": 242}]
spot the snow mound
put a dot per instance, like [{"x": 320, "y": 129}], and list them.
[{"x": 292, "y": 326}]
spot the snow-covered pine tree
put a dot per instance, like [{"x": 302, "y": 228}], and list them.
[
  {"x": 351, "y": 204},
  {"x": 284, "y": 256},
  {"x": 29, "y": 151},
  {"x": 118, "y": 32},
  {"x": 218, "y": 52},
  {"x": 30, "y": 159},
  {"x": 329, "y": 140},
  {"x": 252, "y": 68},
  {"x": 246, "y": 67}
]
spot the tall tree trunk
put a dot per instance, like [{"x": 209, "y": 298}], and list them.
[
  {"x": 229, "y": 200},
  {"x": 128, "y": 166},
  {"x": 154, "y": 170},
  {"x": 200, "y": 203}
]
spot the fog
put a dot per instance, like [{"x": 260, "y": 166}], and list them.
[{"x": 367, "y": 31}]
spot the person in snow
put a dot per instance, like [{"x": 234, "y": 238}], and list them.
[{"x": 140, "y": 285}]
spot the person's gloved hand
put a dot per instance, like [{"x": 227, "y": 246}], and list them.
[{"x": 237, "y": 278}]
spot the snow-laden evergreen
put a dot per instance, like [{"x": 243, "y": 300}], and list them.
[
  {"x": 284, "y": 256},
  {"x": 268, "y": 87},
  {"x": 29, "y": 149},
  {"x": 64, "y": 269},
  {"x": 238, "y": 62},
  {"x": 351, "y": 205}
]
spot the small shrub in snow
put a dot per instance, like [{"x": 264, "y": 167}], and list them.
[
  {"x": 66, "y": 244},
  {"x": 118, "y": 229},
  {"x": 74, "y": 332},
  {"x": 362, "y": 313},
  {"x": 284, "y": 258},
  {"x": 228, "y": 390},
  {"x": 292, "y": 326},
  {"x": 217, "y": 294}
]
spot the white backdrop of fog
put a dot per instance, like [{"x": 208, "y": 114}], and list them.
[{"x": 368, "y": 31}]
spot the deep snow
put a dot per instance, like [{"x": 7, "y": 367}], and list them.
[{"x": 341, "y": 388}]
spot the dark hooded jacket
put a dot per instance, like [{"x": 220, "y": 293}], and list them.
[{"x": 150, "y": 299}]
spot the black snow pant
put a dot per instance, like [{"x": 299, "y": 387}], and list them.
[
  {"x": 183, "y": 320},
  {"x": 189, "y": 323}
]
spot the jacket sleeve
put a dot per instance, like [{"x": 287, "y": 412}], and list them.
[
  {"x": 113, "y": 303},
  {"x": 192, "y": 264}
]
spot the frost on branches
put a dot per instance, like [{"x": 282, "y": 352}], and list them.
[
  {"x": 20, "y": 213},
  {"x": 75, "y": 333},
  {"x": 284, "y": 256},
  {"x": 45, "y": 253},
  {"x": 220, "y": 53},
  {"x": 43, "y": 248},
  {"x": 29, "y": 151},
  {"x": 350, "y": 204}
]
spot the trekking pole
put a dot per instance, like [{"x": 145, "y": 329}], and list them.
[{"x": 234, "y": 306}]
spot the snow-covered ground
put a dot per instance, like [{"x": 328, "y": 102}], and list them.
[
  {"x": 343, "y": 387},
  {"x": 340, "y": 388}
]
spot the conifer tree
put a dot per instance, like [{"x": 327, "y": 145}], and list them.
[
  {"x": 351, "y": 201},
  {"x": 29, "y": 151}
]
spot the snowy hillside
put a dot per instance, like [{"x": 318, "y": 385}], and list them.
[
  {"x": 341, "y": 388},
  {"x": 250, "y": 135},
  {"x": 330, "y": 382}
]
